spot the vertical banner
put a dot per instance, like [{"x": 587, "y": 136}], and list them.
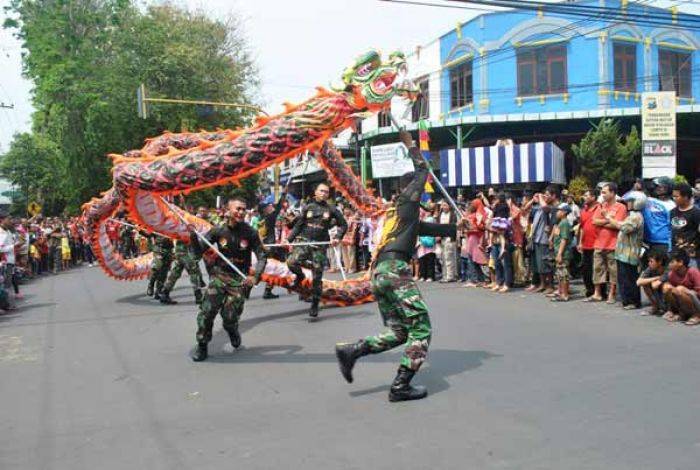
[
  {"x": 658, "y": 134},
  {"x": 424, "y": 145}
]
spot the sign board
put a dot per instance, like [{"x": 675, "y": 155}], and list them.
[
  {"x": 658, "y": 134},
  {"x": 34, "y": 208},
  {"x": 390, "y": 160}
]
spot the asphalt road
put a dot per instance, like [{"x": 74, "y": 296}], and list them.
[{"x": 97, "y": 376}]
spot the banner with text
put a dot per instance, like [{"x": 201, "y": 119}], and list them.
[
  {"x": 390, "y": 160},
  {"x": 658, "y": 134}
]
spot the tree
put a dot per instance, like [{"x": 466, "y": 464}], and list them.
[
  {"x": 603, "y": 154},
  {"x": 86, "y": 59},
  {"x": 34, "y": 164}
]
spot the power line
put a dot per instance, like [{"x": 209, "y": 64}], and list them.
[
  {"x": 651, "y": 18},
  {"x": 605, "y": 13}
]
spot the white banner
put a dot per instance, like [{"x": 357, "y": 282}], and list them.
[
  {"x": 390, "y": 160},
  {"x": 658, "y": 134}
]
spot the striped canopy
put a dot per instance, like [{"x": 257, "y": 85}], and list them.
[{"x": 540, "y": 162}]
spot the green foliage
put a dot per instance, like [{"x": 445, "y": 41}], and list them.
[
  {"x": 578, "y": 186},
  {"x": 34, "y": 164},
  {"x": 680, "y": 179},
  {"x": 86, "y": 59},
  {"x": 604, "y": 155}
]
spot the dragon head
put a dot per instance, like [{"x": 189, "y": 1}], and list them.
[{"x": 371, "y": 83}]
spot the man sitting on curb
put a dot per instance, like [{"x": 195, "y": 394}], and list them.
[
  {"x": 656, "y": 267},
  {"x": 681, "y": 289}
]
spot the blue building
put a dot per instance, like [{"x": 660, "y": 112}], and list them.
[{"x": 545, "y": 76}]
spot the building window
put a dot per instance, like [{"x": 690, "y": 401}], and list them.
[
  {"x": 461, "y": 87},
  {"x": 421, "y": 107},
  {"x": 625, "y": 64},
  {"x": 542, "y": 70},
  {"x": 675, "y": 72},
  {"x": 383, "y": 119}
]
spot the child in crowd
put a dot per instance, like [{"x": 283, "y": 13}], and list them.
[
  {"x": 500, "y": 249},
  {"x": 426, "y": 254},
  {"x": 65, "y": 251},
  {"x": 562, "y": 235},
  {"x": 35, "y": 258}
]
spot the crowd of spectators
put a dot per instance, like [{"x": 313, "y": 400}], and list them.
[
  {"x": 646, "y": 240},
  {"x": 31, "y": 247},
  {"x": 620, "y": 245}
]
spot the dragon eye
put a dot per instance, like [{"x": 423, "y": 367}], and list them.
[{"x": 365, "y": 69}]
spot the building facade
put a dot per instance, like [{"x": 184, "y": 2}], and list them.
[{"x": 542, "y": 76}]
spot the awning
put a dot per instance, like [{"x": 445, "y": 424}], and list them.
[{"x": 540, "y": 162}]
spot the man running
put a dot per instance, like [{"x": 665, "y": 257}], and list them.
[
  {"x": 236, "y": 240},
  {"x": 316, "y": 219},
  {"x": 400, "y": 303}
]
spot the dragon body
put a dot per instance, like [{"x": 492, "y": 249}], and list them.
[{"x": 180, "y": 163}]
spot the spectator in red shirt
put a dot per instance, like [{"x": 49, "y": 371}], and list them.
[
  {"x": 681, "y": 289},
  {"x": 604, "y": 265},
  {"x": 587, "y": 238}
]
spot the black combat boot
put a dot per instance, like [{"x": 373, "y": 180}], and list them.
[
  {"x": 401, "y": 389},
  {"x": 165, "y": 298},
  {"x": 313, "y": 312},
  {"x": 149, "y": 289},
  {"x": 347, "y": 354},
  {"x": 198, "y": 296},
  {"x": 235, "y": 338},
  {"x": 200, "y": 353},
  {"x": 269, "y": 295},
  {"x": 157, "y": 295}
]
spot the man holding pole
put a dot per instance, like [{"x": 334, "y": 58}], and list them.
[
  {"x": 312, "y": 225},
  {"x": 235, "y": 241},
  {"x": 400, "y": 303},
  {"x": 268, "y": 233}
]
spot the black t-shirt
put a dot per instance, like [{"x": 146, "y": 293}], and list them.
[
  {"x": 402, "y": 224},
  {"x": 315, "y": 220},
  {"x": 684, "y": 230},
  {"x": 236, "y": 243}
]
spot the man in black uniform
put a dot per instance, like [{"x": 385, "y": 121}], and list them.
[
  {"x": 268, "y": 234},
  {"x": 400, "y": 303},
  {"x": 316, "y": 219},
  {"x": 226, "y": 292}
]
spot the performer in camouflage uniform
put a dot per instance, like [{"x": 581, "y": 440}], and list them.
[
  {"x": 226, "y": 292},
  {"x": 312, "y": 225},
  {"x": 268, "y": 234},
  {"x": 185, "y": 259},
  {"x": 400, "y": 303},
  {"x": 162, "y": 248}
]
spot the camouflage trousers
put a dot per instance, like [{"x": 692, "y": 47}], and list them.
[
  {"x": 404, "y": 313},
  {"x": 159, "y": 269},
  {"x": 312, "y": 257},
  {"x": 182, "y": 262},
  {"x": 225, "y": 296}
]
